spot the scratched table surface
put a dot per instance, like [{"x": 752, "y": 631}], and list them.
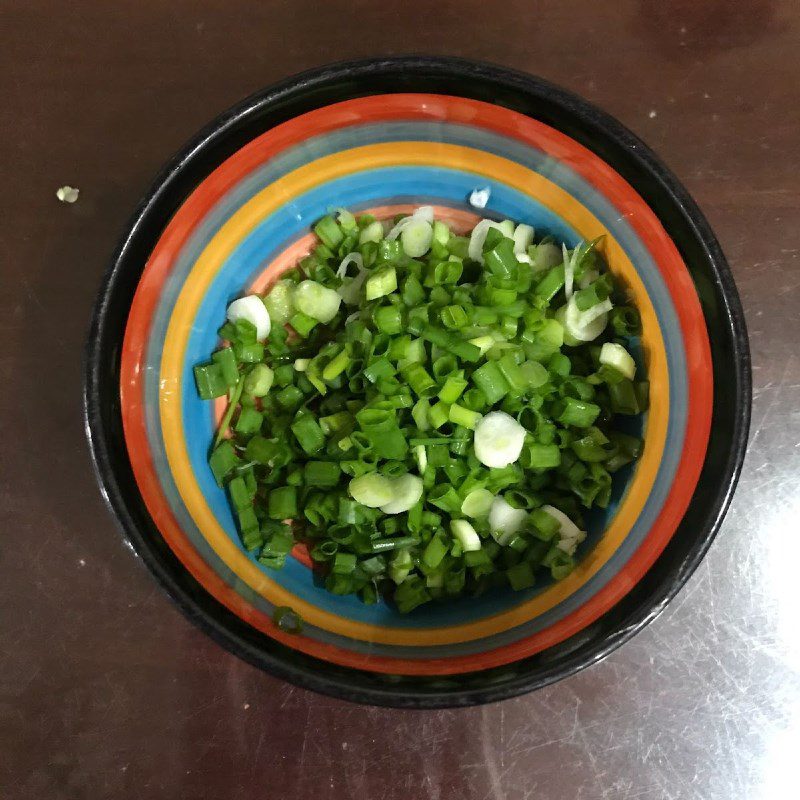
[{"x": 107, "y": 691}]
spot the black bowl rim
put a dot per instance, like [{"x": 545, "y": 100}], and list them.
[{"x": 218, "y": 626}]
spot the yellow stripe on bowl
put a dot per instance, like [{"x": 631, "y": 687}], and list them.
[{"x": 374, "y": 157}]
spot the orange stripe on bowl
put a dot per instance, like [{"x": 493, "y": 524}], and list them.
[{"x": 229, "y": 237}]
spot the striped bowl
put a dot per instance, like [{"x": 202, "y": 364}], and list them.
[{"x": 234, "y": 210}]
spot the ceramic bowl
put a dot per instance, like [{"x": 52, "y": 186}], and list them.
[{"x": 234, "y": 209}]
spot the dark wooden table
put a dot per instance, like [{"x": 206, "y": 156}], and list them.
[{"x": 107, "y": 691}]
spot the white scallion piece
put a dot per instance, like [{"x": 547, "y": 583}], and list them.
[
  {"x": 68, "y": 194},
  {"x": 416, "y": 238},
  {"x": 546, "y": 255},
  {"x": 372, "y": 490},
  {"x": 301, "y": 364},
  {"x": 569, "y": 534},
  {"x": 421, "y": 214},
  {"x": 401, "y": 565},
  {"x": 398, "y": 229},
  {"x": 424, "y": 213},
  {"x": 350, "y": 289},
  {"x": 615, "y": 355},
  {"x": 372, "y": 233},
  {"x": 465, "y": 535},
  {"x": 478, "y": 198},
  {"x": 498, "y": 439},
  {"x": 280, "y": 302},
  {"x": 484, "y": 343},
  {"x": 478, "y": 237},
  {"x": 421, "y": 457},
  {"x": 597, "y": 311},
  {"x": 346, "y": 219},
  {"x": 350, "y": 258},
  {"x": 505, "y": 520},
  {"x": 569, "y": 544},
  {"x": 507, "y": 228},
  {"x": 317, "y": 301},
  {"x": 252, "y": 309},
  {"x": 569, "y": 270},
  {"x": 576, "y": 324},
  {"x": 523, "y": 238},
  {"x": 441, "y": 233},
  {"x": 477, "y": 503},
  {"x": 406, "y": 492}
]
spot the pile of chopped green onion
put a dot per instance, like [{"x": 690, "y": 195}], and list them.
[{"x": 429, "y": 413}]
